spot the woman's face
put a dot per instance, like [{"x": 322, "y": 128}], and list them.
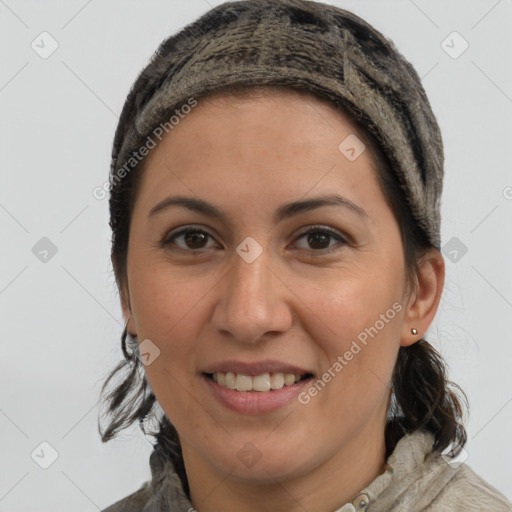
[{"x": 249, "y": 292}]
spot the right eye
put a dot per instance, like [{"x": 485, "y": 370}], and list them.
[{"x": 193, "y": 240}]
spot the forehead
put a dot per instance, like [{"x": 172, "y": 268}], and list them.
[{"x": 260, "y": 148}]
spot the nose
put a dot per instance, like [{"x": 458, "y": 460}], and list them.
[{"x": 252, "y": 301}]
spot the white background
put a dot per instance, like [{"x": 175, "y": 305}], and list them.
[{"x": 61, "y": 321}]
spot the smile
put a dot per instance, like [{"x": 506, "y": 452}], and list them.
[{"x": 259, "y": 383}]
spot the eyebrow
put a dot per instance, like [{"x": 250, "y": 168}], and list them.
[{"x": 283, "y": 212}]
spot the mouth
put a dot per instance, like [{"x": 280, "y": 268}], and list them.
[
  {"x": 257, "y": 387},
  {"x": 263, "y": 383}
]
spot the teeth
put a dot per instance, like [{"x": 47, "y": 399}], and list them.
[
  {"x": 290, "y": 379},
  {"x": 277, "y": 380},
  {"x": 243, "y": 383},
  {"x": 261, "y": 383},
  {"x": 230, "y": 380}
]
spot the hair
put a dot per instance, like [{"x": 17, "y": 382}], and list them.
[{"x": 422, "y": 397}]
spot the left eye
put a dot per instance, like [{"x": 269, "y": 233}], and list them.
[{"x": 318, "y": 236}]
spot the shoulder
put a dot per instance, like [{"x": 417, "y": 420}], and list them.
[
  {"x": 451, "y": 485},
  {"x": 468, "y": 491},
  {"x": 421, "y": 479},
  {"x": 134, "y": 502}
]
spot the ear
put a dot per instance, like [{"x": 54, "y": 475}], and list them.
[
  {"x": 424, "y": 300},
  {"x": 127, "y": 312}
]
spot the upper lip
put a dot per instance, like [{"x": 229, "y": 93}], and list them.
[{"x": 256, "y": 368}]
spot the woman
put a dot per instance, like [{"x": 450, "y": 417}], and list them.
[{"x": 275, "y": 206}]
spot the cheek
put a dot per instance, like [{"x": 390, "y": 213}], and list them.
[
  {"x": 166, "y": 311},
  {"x": 165, "y": 304},
  {"x": 355, "y": 304},
  {"x": 167, "y": 315},
  {"x": 364, "y": 320}
]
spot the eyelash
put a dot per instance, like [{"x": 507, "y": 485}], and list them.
[{"x": 314, "y": 229}]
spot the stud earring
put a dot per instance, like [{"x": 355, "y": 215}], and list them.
[{"x": 414, "y": 331}]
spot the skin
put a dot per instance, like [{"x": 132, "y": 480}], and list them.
[{"x": 295, "y": 302}]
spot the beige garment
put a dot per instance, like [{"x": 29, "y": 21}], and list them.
[{"x": 415, "y": 481}]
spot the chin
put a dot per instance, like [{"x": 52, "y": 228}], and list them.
[{"x": 261, "y": 461}]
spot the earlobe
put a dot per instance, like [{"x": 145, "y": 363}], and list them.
[{"x": 425, "y": 300}]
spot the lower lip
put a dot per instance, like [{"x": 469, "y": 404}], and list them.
[{"x": 255, "y": 402}]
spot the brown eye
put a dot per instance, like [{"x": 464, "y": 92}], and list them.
[
  {"x": 318, "y": 239},
  {"x": 195, "y": 239},
  {"x": 192, "y": 239}
]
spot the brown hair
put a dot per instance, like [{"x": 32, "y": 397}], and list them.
[{"x": 421, "y": 393}]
